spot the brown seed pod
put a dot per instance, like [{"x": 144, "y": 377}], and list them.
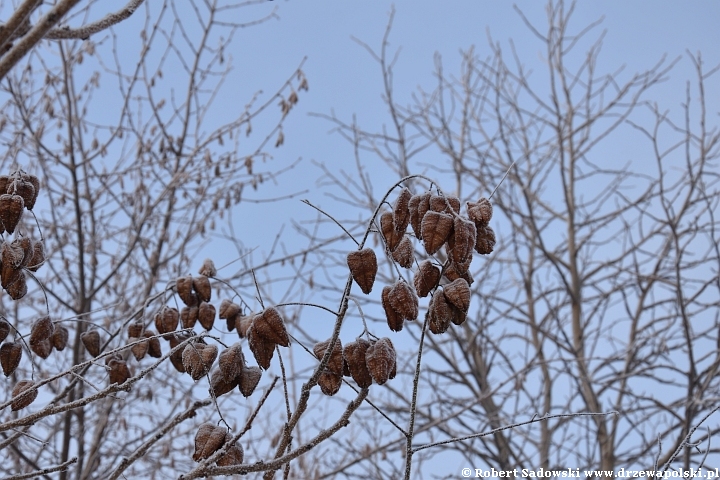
[
  {"x": 329, "y": 383},
  {"x": 26, "y": 245},
  {"x": 335, "y": 363},
  {"x": 363, "y": 267},
  {"x": 208, "y": 268},
  {"x": 35, "y": 182},
  {"x": 387, "y": 227},
  {"x": 206, "y": 315},
  {"x": 219, "y": 385},
  {"x": 59, "y": 338},
  {"x": 119, "y": 371},
  {"x": 249, "y": 380},
  {"x": 440, "y": 204},
  {"x": 418, "y": 206},
  {"x": 354, "y": 355},
  {"x": 461, "y": 242},
  {"x": 189, "y": 316},
  {"x": 25, "y": 189},
  {"x": 10, "y": 356},
  {"x": 403, "y": 300},
  {"x": 42, "y": 349},
  {"x": 91, "y": 340},
  {"x": 380, "y": 358},
  {"x": 261, "y": 347},
  {"x": 167, "y": 319},
  {"x": 394, "y": 319},
  {"x": 229, "y": 311},
  {"x": 242, "y": 324},
  {"x": 403, "y": 254},
  {"x": 458, "y": 294},
  {"x": 5, "y": 180},
  {"x": 485, "y": 241},
  {"x": 11, "y": 210},
  {"x": 136, "y": 330},
  {"x": 20, "y": 400},
  {"x": 233, "y": 456},
  {"x": 436, "y": 228},
  {"x": 38, "y": 257},
  {"x": 208, "y": 440},
  {"x": 18, "y": 288},
  {"x": 42, "y": 329},
  {"x": 232, "y": 362},
  {"x": 197, "y": 358},
  {"x": 4, "y": 329},
  {"x": 12, "y": 256},
  {"x": 139, "y": 350},
  {"x": 177, "y": 356},
  {"x": 184, "y": 286},
  {"x": 154, "y": 349},
  {"x": 426, "y": 278},
  {"x": 270, "y": 326},
  {"x": 401, "y": 212},
  {"x": 440, "y": 313},
  {"x": 480, "y": 211},
  {"x": 202, "y": 288}
]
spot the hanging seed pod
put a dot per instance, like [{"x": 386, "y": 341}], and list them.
[
  {"x": 18, "y": 288},
  {"x": 403, "y": 300},
  {"x": 119, "y": 371},
  {"x": 197, "y": 358},
  {"x": 139, "y": 350},
  {"x": 10, "y": 356},
  {"x": 462, "y": 241},
  {"x": 329, "y": 383},
  {"x": 219, "y": 385},
  {"x": 387, "y": 227},
  {"x": 232, "y": 362},
  {"x": 24, "y": 189},
  {"x": 436, "y": 229},
  {"x": 440, "y": 204},
  {"x": 440, "y": 314},
  {"x": 335, "y": 363},
  {"x": 202, "y": 288},
  {"x": 426, "y": 278},
  {"x": 242, "y": 324},
  {"x": 136, "y": 330},
  {"x": 5, "y": 180},
  {"x": 12, "y": 256},
  {"x": 35, "y": 182},
  {"x": 167, "y": 319},
  {"x": 11, "y": 210},
  {"x": 41, "y": 330},
  {"x": 91, "y": 340},
  {"x": 184, "y": 286},
  {"x": 208, "y": 440},
  {"x": 270, "y": 326},
  {"x": 380, "y": 358},
  {"x": 401, "y": 212},
  {"x": 206, "y": 315},
  {"x": 154, "y": 349},
  {"x": 418, "y": 206},
  {"x": 485, "y": 241},
  {"x": 261, "y": 347},
  {"x": 26, "y": 245},
  {"x": 394, "y": 319},
  {"x": 403, "y": 254},
  {"x": 38, "y": 257},
  {"x": 189, "y": 316},
  {"x": 363, "y": 268},
  {"x": 233, "y": 456},
  {"x": 112, "y": 356},
  {"x": 176, "y": 358},
  {"x": 354, "y": 355},
  {"x": 458, "y": 294},
  {"x": 249, "y": 380},
  {"x": 208, "y": 269},
  {"x": 20, "y": 398},
  {"x": 42, "y": 349},
  {"x": 4, "y": 329},
  {"x": 480, "y": 211},
  {"x": 229, "y": 311},
  {"x": 59, "y": 338}
]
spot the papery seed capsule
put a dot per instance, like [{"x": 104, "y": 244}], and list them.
[
  {"x": 21, "y": 400},
  {"x": 363, "y": 268}
]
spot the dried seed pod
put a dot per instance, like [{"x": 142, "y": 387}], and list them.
[
  {"x": 21, "y": 399},
  {"x": 154, "y": 349},
  {"x": 42, "y": 349},
  {"x": 242, "y": 324},
  {"x": 206, "y": 315},
  {"x": 270, "y": 326},
  {"x": 440, "y": 313},
  {"x": 329, "y": 383},
  {"x": 380, "y": 358},
  {"x": 401, "y": 212},
  {"x": 403, "y": 254},
  {"x": 12, "y": 256},
  {"x": 462, "y": 241},
  {"x": 363, "y": 267},
  {"x": 451, "y": 272},
  {"x": 4, "y": 329},
  {"x": 249, "y": 380},
  {"x": 11, "y": 210},
  {"x": 136, "y": 330},
  {"x": 233, "y": 456},
  {"x": 18, "y": 288},
  {"x": 480, "y": 211},
  {"x": 10, "y": 356},
  {"x": 458, "y": 294},
  {"x": 25, "y": 189},
  {"x": 232, "y": 362},
  {"x": 229, "y": 310},
  {"x": 418, "y": 206},
  {"x": 38, "y": 257},
  {"x": 26, "y": 245},
  {"x": 119, "y": 371},
  {"x": 440, "y": 204},
  {"x": 189, "y": 316},
  {"x": 354, "y": 355},
  {"x": 335, "y": 363},
  {"x": 167, "y": 319},
  {"x": 112, "y": 356},
  {"x": 184, "y": 286},
  {"x": 485, "y": 241},
  {"x": 91, "y": 340},
  {"x": 176, "y": 358},
  {"x": 208, "y": 268},
  {"x": 436, "y": 229},
  {"x": 197, "y": 358},
  {"x": 394, "y": 319},
  {"x": 35, "y": 182},
  {"x": 426, "y": 278},
  {"x": 5, "y": 180},
  {"x": 59, "y": 338},
  {"x": 261, "y": 347},
  {"x": 387, "y": 227},
  {"x": 139, "y": 350},
  {"x": 403, "y": 300},
  {"x": 208, "y": 440},
  {"x": 202, "y": 288},
  {"x": 219, "y": 385},
  {"x": 42, "y": 329}
]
